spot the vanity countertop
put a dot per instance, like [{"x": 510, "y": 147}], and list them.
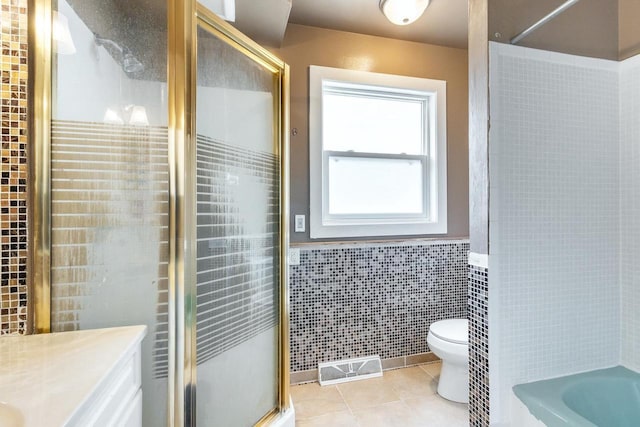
[{"x": 45, "y": 378}]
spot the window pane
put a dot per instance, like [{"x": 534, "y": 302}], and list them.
[
  {"x": 375, "y": 186},
  {"x": 371, "y": 125}
]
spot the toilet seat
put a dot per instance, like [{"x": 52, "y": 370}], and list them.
[{"x": 455, "y": 331}]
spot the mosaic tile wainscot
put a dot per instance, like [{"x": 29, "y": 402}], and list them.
[
  {"x": 478, "y": 346},
  {"x": 361, "y": 299}
]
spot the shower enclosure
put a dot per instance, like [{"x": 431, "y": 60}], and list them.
[{"x": 159, "y": 174}]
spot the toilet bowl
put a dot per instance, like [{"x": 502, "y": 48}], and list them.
[{"x": 449, "y": 340}]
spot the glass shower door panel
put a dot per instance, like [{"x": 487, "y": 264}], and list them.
[
  {"x": 238, "y": 237},
  {"x": 110, "y": 178}
]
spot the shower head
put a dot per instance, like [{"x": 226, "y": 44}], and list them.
[{"x": 130, "y": 64}]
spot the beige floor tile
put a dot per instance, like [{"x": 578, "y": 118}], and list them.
[
  {"x": 312, "y": 400},
  {"x": 411, "y": 382},
  {"x": 335, "y": 419},
  {"x": 432, "y": 369},
  {"x": 367, "y": 393},
  {"x": 314, "y": 391},
  {"x": 393, "y": 414},
  {"x": 401, "y": 398},
  {"x": 436, "y": 411}
]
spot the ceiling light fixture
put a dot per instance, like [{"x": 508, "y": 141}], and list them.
[{"x": 403, "y": 12}]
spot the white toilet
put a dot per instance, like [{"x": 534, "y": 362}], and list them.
[{"x": 449, "y": 340}]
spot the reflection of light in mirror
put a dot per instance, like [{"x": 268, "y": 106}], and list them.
[
  {"x": 63, "y": 43},
  {"x": 112, "y": 117},
  {"x": 138, "y": 116}
]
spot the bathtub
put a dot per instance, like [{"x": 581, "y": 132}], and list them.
[{"x": 605, "y": 398}]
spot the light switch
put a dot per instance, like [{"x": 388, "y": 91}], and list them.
[
  {"x": 294, "y": 256},
  {"x": 300, "y": 223}
]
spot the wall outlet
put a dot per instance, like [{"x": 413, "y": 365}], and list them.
[
  {"x": 294, "y": 256},
  {"x": 300, "y": 223}
]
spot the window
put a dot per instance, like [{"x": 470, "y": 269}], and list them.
[{"x": 377, "y": 154}]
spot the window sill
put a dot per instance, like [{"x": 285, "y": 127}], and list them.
[
  {"x": 321, "y": 231},
  {"x": 394, "y": 241}
]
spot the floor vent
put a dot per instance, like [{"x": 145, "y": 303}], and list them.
[{"x": 342, "y": 371}]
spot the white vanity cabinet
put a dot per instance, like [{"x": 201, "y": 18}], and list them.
[
  {"x": 72, "y": 379},
  {"x": 117, "y": 400}
]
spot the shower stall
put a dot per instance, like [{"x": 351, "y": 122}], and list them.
[{"x": 159, "y": 197}]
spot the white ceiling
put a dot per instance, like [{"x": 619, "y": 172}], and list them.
[{"x": 443, "y": 23}]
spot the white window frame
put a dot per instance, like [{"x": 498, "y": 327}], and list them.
[{"x": 433, "y": 220}]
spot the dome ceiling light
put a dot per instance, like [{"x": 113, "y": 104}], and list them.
[{"x": 403, "y": 12}]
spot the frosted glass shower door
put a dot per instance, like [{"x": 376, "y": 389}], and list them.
[
  {"x": 109, "y": 179},
  {"x": 238, "y": 211}
]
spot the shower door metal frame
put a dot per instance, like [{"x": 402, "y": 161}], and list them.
[
  {"x": 182, "y": 237},
  {"x": 211, "y": 23},
  {"x": 183, "y": 16},
  {"x": 39, "y": 178}
]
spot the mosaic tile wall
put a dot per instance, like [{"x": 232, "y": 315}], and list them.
[
  {"x": 478, "y": 346},
  {"x": 368, "y": 299},
  {"x": 629, "y": 209},
  {"x": 555, "y": 209},
  {"x": 13, "y": 184}
]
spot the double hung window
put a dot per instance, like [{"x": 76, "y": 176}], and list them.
[{"x": 377, "y": 154}]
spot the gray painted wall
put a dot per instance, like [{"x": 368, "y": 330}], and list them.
[
  {"x": 589, "y": 28},
  {"x": 304, "y": 46}
]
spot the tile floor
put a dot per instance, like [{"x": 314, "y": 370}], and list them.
[{"x": 401, "y": 398}]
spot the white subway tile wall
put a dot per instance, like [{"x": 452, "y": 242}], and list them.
[
  {"x": 629, "y": 219},
  {"x": 554, "y": 230}
]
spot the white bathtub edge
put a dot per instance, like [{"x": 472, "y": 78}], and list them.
[{"x": 521, "y": 414}]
